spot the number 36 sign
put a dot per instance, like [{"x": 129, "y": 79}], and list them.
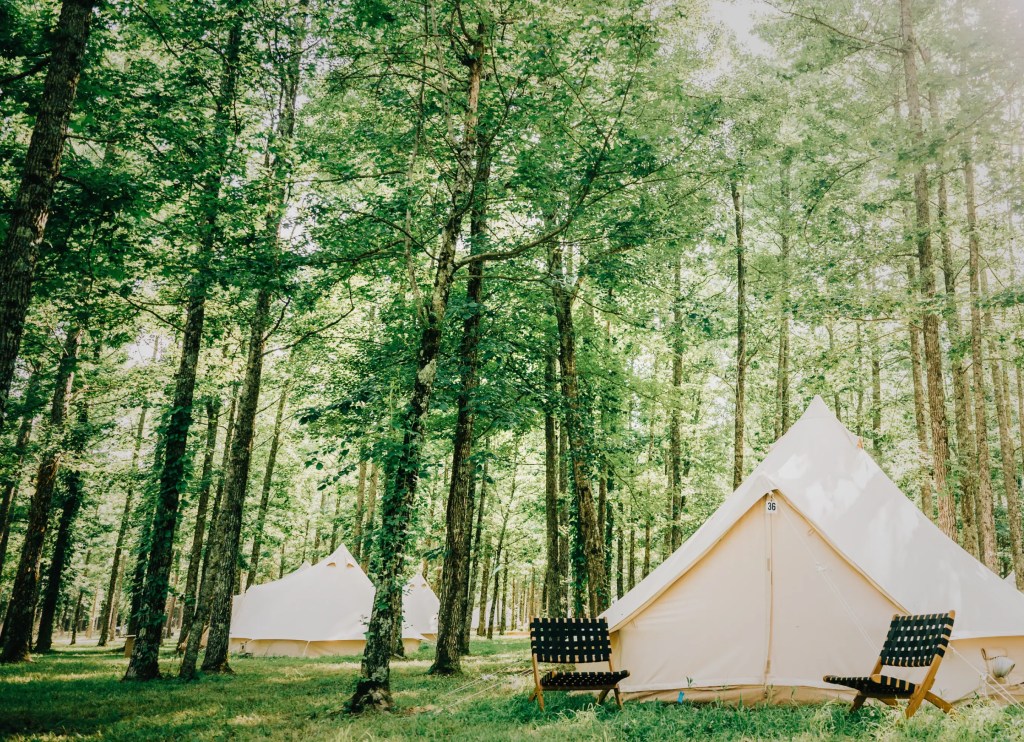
[{"x": 771, "y": 507}]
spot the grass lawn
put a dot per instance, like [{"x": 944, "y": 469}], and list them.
[{"x": 77, "y": 693}]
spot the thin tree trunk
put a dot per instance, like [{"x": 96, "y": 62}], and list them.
[
  {"x": 1001, "y": 391},
  {"x": 374, "y": 686},
  {"x": 632, "y": 556},
  {"x": 144, "y": 663},
  {"x": 31, "y": 205},
  {"x": 647, "y": 547},
  {"x": 122, "y": 532},
  {"x": 481, "y": 509},
  {"x": 268, "y": 480},
  {"x": 920, "y": 405},
  {"x": 485, "y": 578},
  {"x": 985, "y": 504},
  {"x": 932, "y": 344},
  {"x": 741, "y": 335},
  {"x": 782, "y": 367},
  {"x": 63, "y": 548},
  {"x": 224, "y": 557},
  {"x": 675, "y": 474},
  {"x": 371, "y": 508},
  {"x": 966, "y": 447},
  {"x": 589, "y": 533},
  {"x": 13, "y": 478},
  {"x": 455, "y": 599},
  {"x": 17, "y": 629},
  {"x": 552, "y": 578},
  {"x": 357, "y": 528},
  {"x": 195, "y": 558}
]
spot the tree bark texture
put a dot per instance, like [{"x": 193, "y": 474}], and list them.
[
  {"x": 31, "y": 206},
  {"x": 17, "y": 629},
  {"x": 144, "y": 662}
]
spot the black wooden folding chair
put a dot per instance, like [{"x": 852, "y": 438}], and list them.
[
  {"x": 913, "y": 641},
  {"x": 566, "y": 641}
]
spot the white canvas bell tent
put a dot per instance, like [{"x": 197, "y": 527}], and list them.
[
  {"x": 798, "y": 574},
  {"x": 420, "y": 606},
  {"x": 314, "y": 611}
]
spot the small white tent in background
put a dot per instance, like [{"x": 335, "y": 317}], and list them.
[
  {"x": 314, "y": 611},
  {"x": 798, "y": 574},
  {"x": 420, "y": 606}
]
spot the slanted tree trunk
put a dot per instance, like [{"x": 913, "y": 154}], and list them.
[
  {"x": 17, "y": 629},
  {"x": 741, "y": 335},
  {"x": 63, "y": 548},
  {"x": 224, "y": 558},
  {"x": 144, "y": 661},
  {"x": 373, "y": 688},
  {"x": 31, "y": 205},
  {"x": 195, "y": 558},
  {"x": 268, "y": 480},
  {"x": 985, "y": 504},
  {"x": 13, "y": 478},
  {"x": 922, "y": 221},
  {"x": 122, "y": 531},
  {"x": 455, "y": 602}
]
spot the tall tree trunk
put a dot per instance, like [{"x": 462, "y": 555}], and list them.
[
  {"x": 985, "y": 504},
  {"x": 63, "y": 547},
  {"x": 13, "y": 475},
  {"x": 481, "y": 509},
  {"x": 589, "y": 532},
  {"x": 1007, "y": 454},
  {"x": 360, "y": 514},
  {"x": 144, "y": 661},
  {"x": 552, "y": 578},
  {"x": 224, "y": 557},
  {"x": 741, "y": 335},
  {"x": 268, "y": 480},
  {"x": 371, "y": 512},
  {"x": 920, "y": 404},
  {"x": 122, "y": 531},
  {"x": 373, "y": 688},
  {"x": 31, "y": 206},
  {"x": 455, "y": 602},
  {"x": 922, "y": 221},
  {"x": 965, "y": 442},
  {"x": 195, "y": 559},
  {"x": 675, "y": 445},
  {"x": 782, "y": 367},
  {"x": 17, "y": 629},
  {"x": 485, "y": 577}
]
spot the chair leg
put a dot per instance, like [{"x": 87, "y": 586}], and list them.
[
  {"x": 915, "y": 703},
  {"x": 540, "y": 698},
  {"x": 618, "y": 698},
  {"x": 890, "y": 702},
  {"x": 857, "y": 703},
  {"x": 532, "y": 695},
  {"x": 936, "y": 701},
  {"x": 604, "y": 695}
]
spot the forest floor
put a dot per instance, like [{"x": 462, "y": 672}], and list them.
[{"x": 77, "y": 692}]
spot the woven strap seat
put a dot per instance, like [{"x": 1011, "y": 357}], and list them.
[
  {"x": 569, "y": 641},
  {"x": 556, "y": 680},
  {"x": 912, "y": 641},
  {"x": 879, "y": 685}
]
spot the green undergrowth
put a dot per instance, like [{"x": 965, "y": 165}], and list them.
[{"x": 78, "y": 693}]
